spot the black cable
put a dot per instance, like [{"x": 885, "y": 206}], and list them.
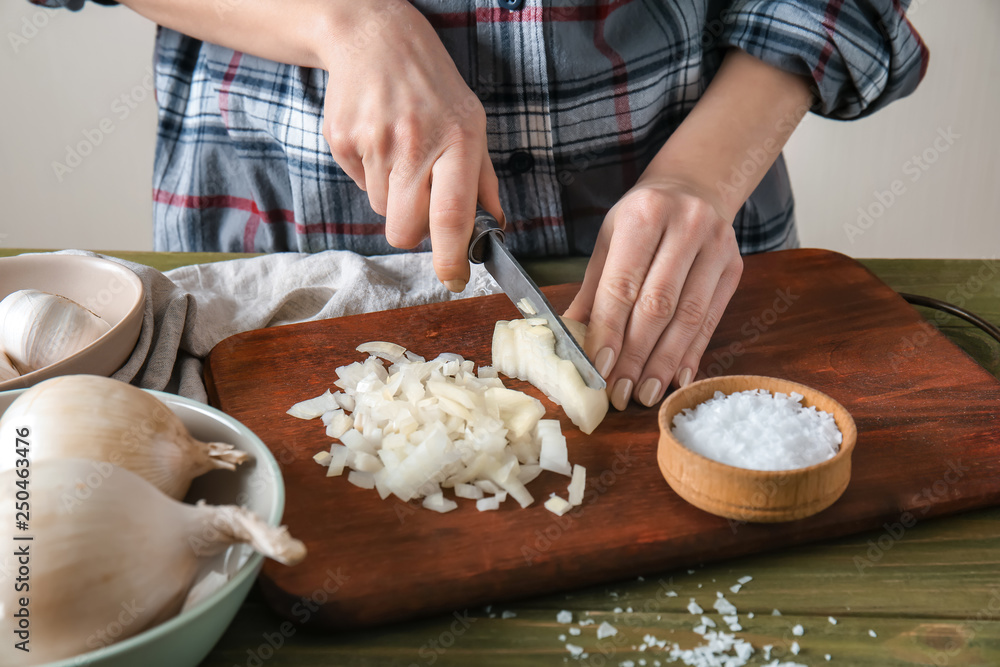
[{"x": 950, "y": 308}]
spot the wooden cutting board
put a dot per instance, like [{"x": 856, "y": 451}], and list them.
[{"x": 928, "y": 444}]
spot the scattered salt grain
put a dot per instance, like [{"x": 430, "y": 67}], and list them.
[
  {"x": 671, "y": 594},
  {"x": 756, "y": 430},
  {"x": 562, "y": 638},
  {"x": 735, "y": 588},
  {"x": 508, "y": 614},
  {"x": 827, "y": 657},
  {"x": 750, "y": 614},
  {"x": 795, "y": 648},
  {"x": 605, "y": 630},
  {"x": 707, "y": 621},
  {"x": 587, "y": 621},
  {"x": 871, "y": 633},
  {"x": 626, "y": 663},
  {"x": 694, "y": 608},
  {"x": 744, "y": 580},
  {"x": 775, "y": 613},
  {"x": 564, "y": 616},
  {"x": 574, "y": 649},
  {"x": 628, "y": 610},
  {"x": 724, "y": 606},
  {"x": 798, "y": 630},
  {"x": 617, "y": 610},
  {"x": 832, "y": 620},
  {"x": 767, "y": 651},
  {"x": 574, "y": 631}
]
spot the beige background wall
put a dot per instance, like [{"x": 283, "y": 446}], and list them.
[{"x": 78, "y": 119}]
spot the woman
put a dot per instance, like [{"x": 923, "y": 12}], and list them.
[{"x": 646, "y": 135}]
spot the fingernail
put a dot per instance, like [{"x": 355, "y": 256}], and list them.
[
  {"x": 455, "y": 285},
  {"x": 605, "y": 360},
  {"x": 685, "y": 377},
  {"x": 649, "y": 391},
  {"x": 621, "y": 393},
  {"x": 503, "y": 219}
]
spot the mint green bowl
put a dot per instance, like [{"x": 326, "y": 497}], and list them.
[{"x": 185, "y": 640}]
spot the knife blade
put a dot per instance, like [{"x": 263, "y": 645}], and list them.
[{"x": 487, "y": 247}]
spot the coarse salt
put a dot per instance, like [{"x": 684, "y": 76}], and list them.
[{"x": 756, "y": 430}]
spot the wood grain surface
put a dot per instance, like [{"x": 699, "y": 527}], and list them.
[{"x": 927, "y": 445}]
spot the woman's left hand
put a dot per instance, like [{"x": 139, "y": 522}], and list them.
[{"x": 665, "y": 265}]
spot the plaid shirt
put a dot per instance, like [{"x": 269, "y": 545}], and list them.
[{"x": 579, "y": 96}]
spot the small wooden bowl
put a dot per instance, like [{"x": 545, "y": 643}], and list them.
[{"x": 758, "y": 496}]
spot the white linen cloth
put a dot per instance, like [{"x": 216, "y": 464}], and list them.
[{"x": 191, "y": 309}]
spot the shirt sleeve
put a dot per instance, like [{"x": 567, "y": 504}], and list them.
[
  {"x": 73, "y": 5},
  {"x": 860, "y": 54}
]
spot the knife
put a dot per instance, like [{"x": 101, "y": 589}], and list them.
[{"x": 487, "y": 247}]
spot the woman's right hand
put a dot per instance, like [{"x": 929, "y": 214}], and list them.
[{"x": 405, "y": 126}]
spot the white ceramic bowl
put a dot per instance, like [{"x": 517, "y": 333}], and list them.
[
  {"x": 185, "y": 640},
  {"x": 105, "y": 287}
]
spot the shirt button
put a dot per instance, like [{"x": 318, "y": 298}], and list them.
[
  {"x": 520, "y": 162},
  {"x": 511, "y": 5}
]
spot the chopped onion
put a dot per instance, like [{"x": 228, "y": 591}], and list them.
[
  {"x": 525, "y": 349},
  {"x": 469, "y": 491},
  {"x": 526, "y": 307},
  {"x": 557, "y": 505},
  {"x": 438, "y": 503},
  {"x": 491, "y": 503},
  {"x": 554, "y": 454},
  {"x": 417, "y": 428},
  {"x": 576, "y": 485},
  {"x": 363, "y": 480},
  {"x": 314, "y": 407}
]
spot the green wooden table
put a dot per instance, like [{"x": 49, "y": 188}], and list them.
[{"x": 930, "y": 595}]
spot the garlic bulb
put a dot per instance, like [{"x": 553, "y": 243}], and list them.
[
  {"x": 7, "y": 370},
  {"x": 38, "y": 329},
  {"x": 92, "y": 417},
  {"x": 110, "y": 555}
]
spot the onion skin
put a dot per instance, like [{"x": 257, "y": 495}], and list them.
[
  {"x": 111, "y": 555},
  {"x": 7, "y": 370},
  {"x": 98, "y": 418}
]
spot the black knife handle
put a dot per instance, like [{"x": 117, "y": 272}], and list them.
[{"x": 485, "y": 224}]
